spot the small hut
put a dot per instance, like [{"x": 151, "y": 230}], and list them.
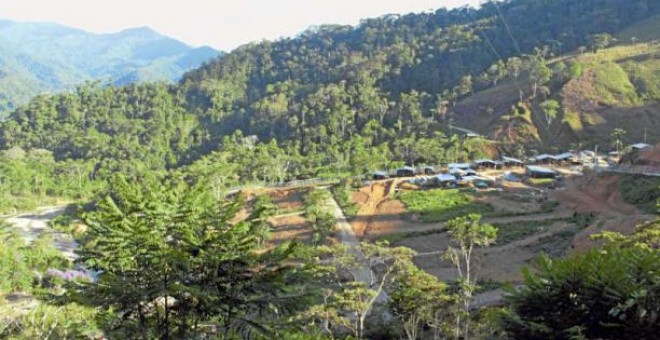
[
  {"x": 540, "y": 172},
  {"x": 512, "y": 162},
  {"x": 487, "y": 164},
  {"x": 378, "y": 175},
  {"x": 406, "y": 171}
]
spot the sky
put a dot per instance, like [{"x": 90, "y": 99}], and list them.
[{"x": 222, "y": 24}]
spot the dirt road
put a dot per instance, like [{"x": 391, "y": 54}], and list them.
[
  {"x": 33, "y": 225},
  {"x": 362, "y": 272}
]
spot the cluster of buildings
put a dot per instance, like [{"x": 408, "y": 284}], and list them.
[{"x": 535, "y": 167}]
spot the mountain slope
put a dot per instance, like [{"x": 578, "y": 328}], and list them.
[
  {"x": 335, "y": 96},
  {"x": 39, "y": 57},
  {"x": 617, "y": 87}
]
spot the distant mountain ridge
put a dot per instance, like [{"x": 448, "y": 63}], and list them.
[{"x": 47, "y": 57}]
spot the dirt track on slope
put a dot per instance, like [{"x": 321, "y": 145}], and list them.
[{"x": 33, "y": 225}]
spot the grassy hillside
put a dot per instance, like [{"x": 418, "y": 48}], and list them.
[{"x": 617, "y": 87}]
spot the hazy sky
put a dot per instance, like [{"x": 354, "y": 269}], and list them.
[{"x": 223, "y": 24}]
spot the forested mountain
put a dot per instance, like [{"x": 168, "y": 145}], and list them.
[
  {"x": 43, "y": 57},
  {"x": 340, "y": 99}
]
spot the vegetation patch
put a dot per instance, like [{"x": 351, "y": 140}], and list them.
[
  {"x": 507, "y": 233},
  {"x": 572, "y": 118},
  {"x": 613, "y": 87},
  {"x": 398, "y": 237},
  {"x": 342, "y": 194},
  {"x": 555, "y": 245},
  {"x": 441, "y": 205},
  {"x": 645, "y": 76},
  {"x": 641, "y": 191},
  {"x": 541, "y": 181}
]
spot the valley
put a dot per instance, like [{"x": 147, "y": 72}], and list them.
[{"x": 486, "y": 172}]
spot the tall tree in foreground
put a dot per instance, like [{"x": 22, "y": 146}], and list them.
[
  {"x": 174, "y": 262},
  {"x": 467, "y": 233},
  {"x": 354, "y": 282}
]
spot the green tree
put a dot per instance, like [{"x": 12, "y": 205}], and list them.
[
  {"x": 617, "y": 136},
  {"x": 611, "y": 294},
  {"x": 419, "y": 298},
  {"x": 172, "y": 259},
  {"x": 540, "y": 74},
  {"x": 467, "y": 233},
  {"x": 599, "y": 41},
  {"x": 550, "y": 109}
]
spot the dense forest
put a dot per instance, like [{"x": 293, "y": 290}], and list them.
[{"x": 325, "y": 101}]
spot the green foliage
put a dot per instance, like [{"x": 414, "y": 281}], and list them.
[
  {"x": 613, "y": 86},
  {"x": 605, "y": 294},
  {"x": 20, "y": 262},
  {"x": 342, "y": 194},
  {"x": 347, "y": 295},
  {"x": 617, "y": 136},
  {"x": 71, "y": 321},
  {"x": 645, "y": 78},
  {"x": 644, "y": 30},
  {"x": 172, "y": 260},
  {"x": 419, "y": 299},
  {"x": 333, "y": 100},
  {"x": 550, "y": 109},
  {"x": 317, "y": 212},
  {"x": 30, "y": 179},
  {"x": 641, "y": 191},
  {"x": 441, "y": 204},
  {"x": 467, "y": 233},
  {"x": 646, "y": 236},
  {"x": 599, "y": 41}
]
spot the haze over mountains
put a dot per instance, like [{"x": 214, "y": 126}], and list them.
[{"x": 46, "y": 57}]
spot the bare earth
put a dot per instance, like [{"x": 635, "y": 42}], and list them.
[{"x": 380, "y": 215}]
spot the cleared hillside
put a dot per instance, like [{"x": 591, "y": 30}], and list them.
[{"x": 618, "y": 87}]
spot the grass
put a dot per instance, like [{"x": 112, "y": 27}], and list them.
[
  {"x": 486, "y": 285},
  {"x": 555, "y": 245},
  {"x": 548, "y": 206},
  {"x": 573, "y": 120},
  {"x": 541, "y": 181},
  {"x": 613, "y": 86},
  {"x": 645, "y": 75},
  {"x": 441, "y": 204}
]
